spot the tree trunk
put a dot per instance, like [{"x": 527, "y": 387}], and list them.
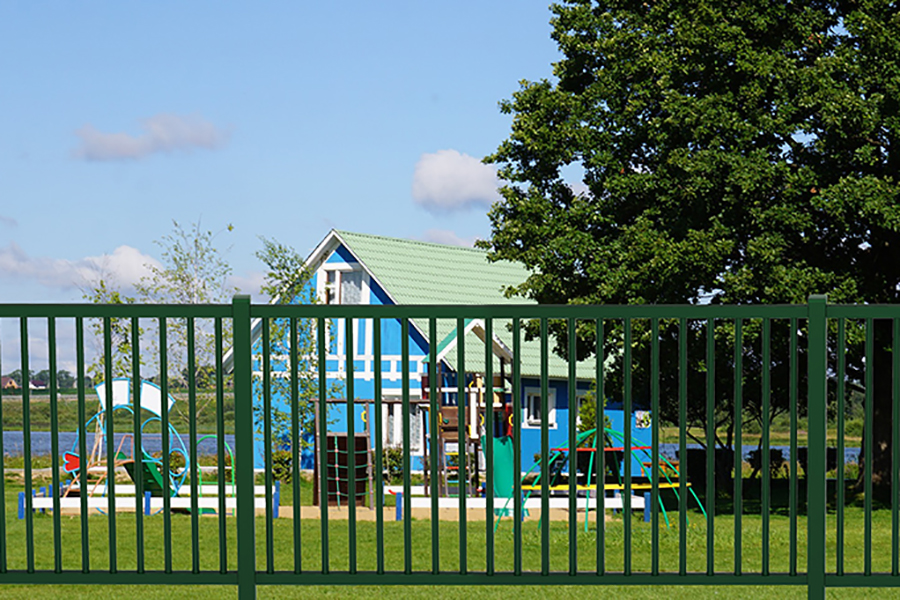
[{"x": 882, "y": 414}]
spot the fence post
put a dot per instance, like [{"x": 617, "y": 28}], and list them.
[
  {"x": 243, "y": 441},
  {"x": 815, "y": 480}
]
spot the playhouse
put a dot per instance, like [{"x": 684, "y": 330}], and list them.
[{"x": 353, "y": 268}]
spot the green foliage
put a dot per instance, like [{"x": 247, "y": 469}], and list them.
[
  {"x": 103, "y": 291},
  {"x": 193, "y": 270},
  {"x": 287, "y": 281},
  {"x": 728, "y": 154},
  {"x": 281, "y": 465},
  {"x": 392, "y": 459}
]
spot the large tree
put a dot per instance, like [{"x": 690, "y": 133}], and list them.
[{"x": 729, "y": 152}]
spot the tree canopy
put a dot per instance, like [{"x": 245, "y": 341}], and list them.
[
  {"x": 731, "y": 152},
  {"x": 727, "y": 152}
]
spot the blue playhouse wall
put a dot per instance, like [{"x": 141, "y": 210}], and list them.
[{"x": 364, "y": 386}]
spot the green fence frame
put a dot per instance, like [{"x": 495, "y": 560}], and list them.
[{"x": 247, "y": 576}]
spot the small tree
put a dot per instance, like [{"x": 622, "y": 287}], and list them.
[
  {"x": 287, "y": 281},
  {"x": 193, "y": 271},
  {"x": 104, "y": 291}
]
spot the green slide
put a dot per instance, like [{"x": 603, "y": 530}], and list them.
[{"x": 504, "y": 473}]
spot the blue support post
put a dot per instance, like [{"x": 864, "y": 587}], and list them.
[
  {"x": 399, "y": 498},
  {"x": 646, "y": 507},
  {"x": 21, "y": 505},
  {"x": 276, "y": 500},
  {"x": 147, "y": 503}
]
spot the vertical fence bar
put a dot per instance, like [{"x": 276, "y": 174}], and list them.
[
  {"x": 867, "y": 442},
  {"x": 407, "y": 486},
  {"x": 765, "y": 460},
  {"x": 654, "y": 450},
  {"x": 296, "y": 441},
  {"x": 545, "y": 454},
  {"x": 322, "y": 438},
  {"x": 710, "y": 446},
  {"x": 2, "y": 482},
  {"x": 166, "y": 448},
  {"x": 682, "y": 445},
  {"x": 841, "y": 410},
  {"x": 267, "y": 440},
  {"x": 110, "y": 441},
  {"x": 192, "y": 449},
  {"x": 137, "y": 449},
  {"x": 243, "y": 440},
  {"x": 573, "y": 453},
  {"x": 82, "y": 447},
  {"x": 462, "y": 400},
  {"x": 517, "y": 447},
  {"x": 54, "y": 445},
  {"x": 895, "y": 446},
  {"x": 349, "y": 354},
  {"x": 794, "y": 486},
  {"x": 434, "y": 452},
  {"x": 817, "y": 407},
  {"x": 379, "y": 451},
  {"x": 26, "y": 443},
  {"x": 738, "y": 447},
  {"x": 220, "y": 444},
  {"x": 626, "y": 449},
  {"x": 489, "y": 444},
  {"x": 600, "y": 445}
]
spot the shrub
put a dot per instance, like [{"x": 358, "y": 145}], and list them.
[
  {"x": 281, "y": 466},
  {"x": 392, "y": 461}
]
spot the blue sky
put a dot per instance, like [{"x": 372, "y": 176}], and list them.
[{"x": 285, "y": 119}]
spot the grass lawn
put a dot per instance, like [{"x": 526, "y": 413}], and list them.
[{"x": 311, "y": 538}]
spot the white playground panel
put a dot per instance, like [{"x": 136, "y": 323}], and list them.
[{"x": 127, "y": 501}]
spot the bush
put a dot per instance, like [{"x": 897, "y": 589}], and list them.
[
  {"x": 853, "y": 428},
  {"x": 392, "y": 461},
  {"x": 281, "y": 466}
]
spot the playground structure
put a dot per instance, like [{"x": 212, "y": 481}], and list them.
[
  {"x": 154, "y": 484},
  {"x": 563, "y": 462}
]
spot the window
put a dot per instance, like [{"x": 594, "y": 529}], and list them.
[
  {"x": 351, "y": 287},
  {"x": 580, "y": 397},
  {"x": 331, "y": 289},
  {"x": 532, "y": 416},
  {"x": 342, "y": 286}
]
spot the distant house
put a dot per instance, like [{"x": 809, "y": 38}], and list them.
[
  {"x": 37, "y": 385},
  {"x": 8, "y": 383},
  {"x": 361, "y": 269}
]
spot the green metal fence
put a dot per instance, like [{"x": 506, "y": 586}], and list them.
[{"x": 705, "y": 372}]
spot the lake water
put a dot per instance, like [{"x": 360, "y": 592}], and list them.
[{"x": 14, "y": 443}]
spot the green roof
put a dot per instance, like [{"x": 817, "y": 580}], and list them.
[
  {"x": 424, "y": 273},
  {"x": 413, "y": 272}
]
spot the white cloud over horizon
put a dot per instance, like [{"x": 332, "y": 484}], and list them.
[
  {"x": 124, "y": 266},
  {"x": 449, "y": 180},
  {"x": 162, "y": 133}
]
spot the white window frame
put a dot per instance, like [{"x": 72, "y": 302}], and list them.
[
  {"x": 338, "y": 270},
  {"x": 531, "y": 395},
  {"x": 580, "y": 396}
]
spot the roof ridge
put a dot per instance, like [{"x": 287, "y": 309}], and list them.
[{"x": 409, "y": 241}]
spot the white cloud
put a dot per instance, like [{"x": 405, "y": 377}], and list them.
[
  {"x": 163, "y": 133},
  {"x": 447, "y": 237},
  {"x": 249, "y": 283},
  {"x": 449, "y": 180},
  {"x": 8, "y": 221},
  {"x": 125, "y": 266}
]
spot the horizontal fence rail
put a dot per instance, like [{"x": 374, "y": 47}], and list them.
[{"x": 519, "y": 444}]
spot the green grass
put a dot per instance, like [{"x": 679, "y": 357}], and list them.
[
  {"x": 39, "y": 413},
  {"x": 421, "y": 552}
]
